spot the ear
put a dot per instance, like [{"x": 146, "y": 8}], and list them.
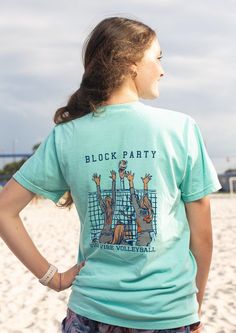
[
  {"x": 134, "y": 66},
  {"x": 133, "y": 71}
]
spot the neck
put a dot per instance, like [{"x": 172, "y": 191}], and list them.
[{"x": 125, "y": 94}]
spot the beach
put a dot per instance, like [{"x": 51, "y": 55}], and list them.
[{"x": 26, "y": 306}]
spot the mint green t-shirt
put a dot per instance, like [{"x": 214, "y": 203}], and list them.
[{"x": 130, "y": 169}]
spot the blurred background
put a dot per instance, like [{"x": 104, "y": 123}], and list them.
[{"x": 41, "y": 66}]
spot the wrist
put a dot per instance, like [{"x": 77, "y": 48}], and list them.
[
  {"x": 48, "y": 275},
  {"x": 55, "y": 282}
]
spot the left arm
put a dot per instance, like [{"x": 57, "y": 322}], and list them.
[{"x": 201, "y": 243}]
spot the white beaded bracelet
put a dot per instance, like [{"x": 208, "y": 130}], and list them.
[{"x": 48, "y": 275}]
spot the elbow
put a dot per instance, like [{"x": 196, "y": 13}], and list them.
[{"x": 203, "y": 244}]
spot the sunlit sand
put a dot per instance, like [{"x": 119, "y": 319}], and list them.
[{"x": 27, "y": 306}]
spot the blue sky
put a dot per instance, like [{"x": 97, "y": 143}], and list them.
[{"x": 41, "y": 64}]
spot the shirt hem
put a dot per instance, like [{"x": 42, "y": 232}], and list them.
[
  {"x": 154, "y": 325},
  {"x": 35, "y": 189},
  {"x": 207, "y": 190}
]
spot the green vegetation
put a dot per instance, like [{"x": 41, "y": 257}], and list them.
[{"x": 10, "y": 168}]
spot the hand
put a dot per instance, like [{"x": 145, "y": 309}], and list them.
[
  {"x": 113, "y": 175},
  {"x": 66, "y": 278},
  {"x": 96, "y": 178},
  {"x": 147, "y": 178},
  {"x": 196, "y": 328},
  {"x": 199, "y": 313},
  {"x": 129, "y": 175}
]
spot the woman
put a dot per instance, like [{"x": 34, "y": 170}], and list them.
[{"x": 139, "y": 177}]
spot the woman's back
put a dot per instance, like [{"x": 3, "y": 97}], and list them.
[{"x": 126, "y": 168}]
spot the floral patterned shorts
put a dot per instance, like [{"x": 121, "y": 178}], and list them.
[{"x": 75, "y": 323}]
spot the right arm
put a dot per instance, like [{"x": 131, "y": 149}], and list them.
[{"x": 13, "y": 198}]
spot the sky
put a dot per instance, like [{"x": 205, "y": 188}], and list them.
[{"x": 41, "y": 64}]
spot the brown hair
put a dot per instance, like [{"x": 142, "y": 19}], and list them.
[{"x": 108, "y": 53}]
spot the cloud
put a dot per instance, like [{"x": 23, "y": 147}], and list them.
[{"x": 41, "y": 62}]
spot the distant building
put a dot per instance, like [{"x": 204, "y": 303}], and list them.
[{"x": 224, "y": 180}]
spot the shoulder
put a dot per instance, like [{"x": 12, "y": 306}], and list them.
[
  {"x": 169, "y": 118},
  {"x": 62, "y": 133},
  {"x": 68, "y": 132},
  {"x": 64, "y": 129},
  {"x": 168, "y": 113}
]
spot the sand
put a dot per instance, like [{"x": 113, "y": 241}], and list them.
[{"x": 28, "y": 307}]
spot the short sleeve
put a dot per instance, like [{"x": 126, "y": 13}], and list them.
[
  {"x": 42, "y": 173},
  {"x": 200, "y": 177}
]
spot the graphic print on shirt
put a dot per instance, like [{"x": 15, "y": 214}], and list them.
[{"x": 124, "y": 216}]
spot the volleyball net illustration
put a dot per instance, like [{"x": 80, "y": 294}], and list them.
[{"x": 124, "y": 213}]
